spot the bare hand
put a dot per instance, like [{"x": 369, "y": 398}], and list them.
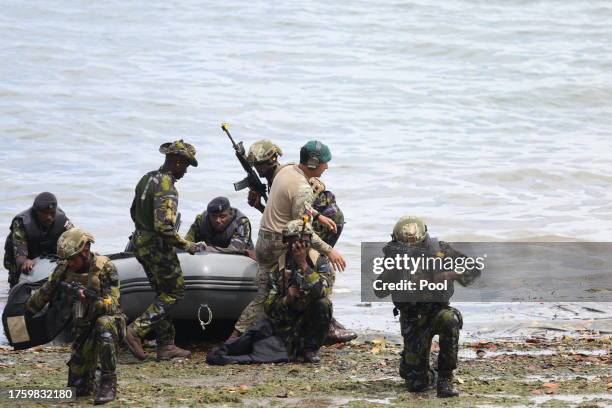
[
  {"x": 82, "y": 296},
  {"x": 26, "y": 266},
  {"x": 254, "y": 198},
  {"x": 328, "y": 222},
  {"x": 298, "y": 250},
  {"x": 194, "y": 247},
  {"x": 293, "y": 292},
  {"x": 251, "y": 254},
  {"x": 336, "y": 260}
]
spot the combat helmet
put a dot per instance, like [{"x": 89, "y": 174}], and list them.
[
  {"x": 72, "y": 241},
  {"x": 263, "y": 151},
  {"x": 294, "y": 229},
  {"x": 410, "y": 229}
]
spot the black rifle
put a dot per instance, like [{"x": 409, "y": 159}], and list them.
[
  {"x": 74, "y": 288},
  {"x": 252, "y": 180}
]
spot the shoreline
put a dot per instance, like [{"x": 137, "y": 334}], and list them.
[{"x": 566, "y": 371}]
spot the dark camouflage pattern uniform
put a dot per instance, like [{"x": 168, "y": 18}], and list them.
[
  {"x": 154, "y": 212},
  {"x": 421, "y": 321},
  {"x": 326, "y": 205},
  {"x": 304, "y": 324},
  {"x": 100, "y": 330},
  {"x": 419, "y": 324},
  {"x": 20, "y": 248}
]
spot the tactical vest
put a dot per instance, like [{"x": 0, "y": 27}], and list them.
[
  {"x": 221, "y": 239},
  {"x": 39, "y": 242},
  {"x": 430, "y": 248}
]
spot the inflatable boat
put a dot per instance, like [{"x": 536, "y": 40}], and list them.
[{"x": 224, "y": 282}]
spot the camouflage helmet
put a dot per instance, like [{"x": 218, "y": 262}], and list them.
[
  {"x": 263, "y": 150},
  {"x": 294, "y": 228},
  {"x": 72, "y": 241},
  {"x": 180, "y": 148},
  {"x": 410, "y": 229}
]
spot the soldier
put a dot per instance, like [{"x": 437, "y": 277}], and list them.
[
  {"x": 222, "y": 226},
  {"x": 290, "y": 198},
  {"x": 298, "y": 304},
  {"x": 98, "y": 325},
  {"x": 154, "y": 212},
  {"x": 325, "y": 203},
  {"x": 34, "y": 232},
  {"x": 263, "y": 155},
  {"x": 421, "y": 319}
]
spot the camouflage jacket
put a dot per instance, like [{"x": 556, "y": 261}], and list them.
[
  {"x": 101, "y": 277},
  {"x": 154, "y": 209},
  {"x": 314, "y": 284}
]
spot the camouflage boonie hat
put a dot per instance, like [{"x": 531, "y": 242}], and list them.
[
  {"x": 180, "y": 148},
  {"x": 410, "y": 229},
  {"x": 263, "y": 150},
  {"x": 72, "y": 242},
  {"x": 317, "y": 185},
  {"x": 294, "y": 228}
]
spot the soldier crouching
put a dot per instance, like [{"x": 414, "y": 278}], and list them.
[
  {"x": 426, "y": 314},
  {"x": 298, "y": 304},
  {"x": 92, "y": 283}
]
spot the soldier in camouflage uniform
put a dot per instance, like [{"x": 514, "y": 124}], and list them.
[
  {"x": 154, "y": 212},
  {"x": 98, "y": 324},
  {"x": 223, "y": 227},
  {"x": 264, "y": 155},
  {"x": 34, "y": 232},
  {"x": 325, "y": 203},
  {"x": 290, "y": 198},
  {"x": 420, "y": 318},
  {"x": 298, "y": 303}
]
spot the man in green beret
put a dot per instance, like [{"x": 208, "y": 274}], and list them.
[
  {"x": 156, "y": 238},
  {"x": 291, "y": 197}
]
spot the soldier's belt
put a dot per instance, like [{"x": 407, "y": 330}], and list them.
[{"x": 276, "y": 236}]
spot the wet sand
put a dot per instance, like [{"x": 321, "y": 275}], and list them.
[{"x": 536, "y": 371}]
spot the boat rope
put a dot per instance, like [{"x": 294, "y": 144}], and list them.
[{"x": 210, "y": 316}]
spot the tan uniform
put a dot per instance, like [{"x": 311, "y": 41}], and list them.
[{"x": 290, "y": 197}]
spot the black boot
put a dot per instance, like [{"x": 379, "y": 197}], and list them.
[
  {"x": 445, "y": 385},
  {"x": 337, "y": 333},
  {"x": 107, "y": 389},
  {"x": 310, "y": 356},
  {"x": 82, "y": 387}
]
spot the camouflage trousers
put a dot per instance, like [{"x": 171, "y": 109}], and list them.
[
  {"x": 301, "y": 330},
  {"x": 418, "y": 329},
  {"x": 166, "y": 278},
  {"x": 268, "y": 250},
  {"x": 93, "y": 347}
]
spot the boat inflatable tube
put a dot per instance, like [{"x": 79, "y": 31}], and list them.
[{"x": 24, "y": 330}]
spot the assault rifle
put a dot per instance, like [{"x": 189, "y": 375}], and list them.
[
  {"x": 252, "y": 180},
  {"x": 74, "y": 289}
]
